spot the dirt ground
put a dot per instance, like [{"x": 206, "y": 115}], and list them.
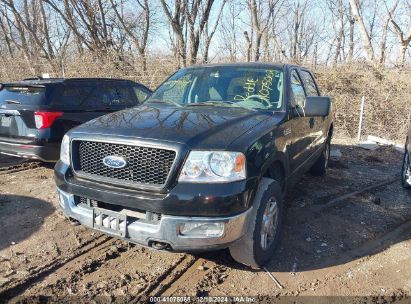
[{"x": 347, "y": 237}]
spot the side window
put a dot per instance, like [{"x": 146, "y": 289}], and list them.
[
  {"x": 309, "y": 83},
  {"x": 297, "y": 89},
  {"x": 111, "y": 95},
  {"x": 141, "y": 94},
  {"x": 118, "y": 96},
  {"x": 72, "y": 95}
]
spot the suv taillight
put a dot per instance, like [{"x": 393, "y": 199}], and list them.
[{"x": 45, "y": 119}]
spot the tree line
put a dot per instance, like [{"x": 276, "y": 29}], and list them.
[{"x": 329, "y": 32}]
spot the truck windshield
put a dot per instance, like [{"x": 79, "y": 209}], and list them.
[{"x": 246, "y": 87}]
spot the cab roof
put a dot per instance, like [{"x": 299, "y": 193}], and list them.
[{"x": 246, "y": 64}]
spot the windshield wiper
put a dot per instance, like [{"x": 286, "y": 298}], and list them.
[
  {"x": 164, "y": 101},
  {"x": 211, "y": 103},
  {"x": 13, "y": 101}
]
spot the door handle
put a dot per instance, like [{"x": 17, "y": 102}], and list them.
[{"x": 312, "y": 122}]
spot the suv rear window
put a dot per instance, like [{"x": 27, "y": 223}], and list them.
[{"x": 23, "y": 95}]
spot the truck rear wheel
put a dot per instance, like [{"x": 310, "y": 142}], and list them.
[
  {"x": 321, "y": 165},
  {"x": 257, "y": 246},
  {"x": 406, "y": 170}
]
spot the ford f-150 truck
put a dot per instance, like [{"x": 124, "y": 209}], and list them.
[{"x": 204, "y": 163}]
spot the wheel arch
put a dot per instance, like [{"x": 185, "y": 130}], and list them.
[{"x": 277, "y": 169}]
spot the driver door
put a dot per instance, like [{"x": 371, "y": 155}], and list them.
[{"x": 301, "y": 126}]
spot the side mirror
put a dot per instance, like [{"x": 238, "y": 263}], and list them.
[{"x": 317, "y": 106}]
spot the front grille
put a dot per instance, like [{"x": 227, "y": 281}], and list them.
[{"x": 145, "y": 165}]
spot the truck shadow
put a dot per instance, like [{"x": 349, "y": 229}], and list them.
[
  {"x": 9, "y": 161},
  {"x": 318, "y": 234},
  {"x": 20, "y": 217},
  {"x": 17, "y": 163}
]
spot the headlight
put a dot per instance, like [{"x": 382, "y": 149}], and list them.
[
  {"x": 213, "y": 166},
  {"x": 65, "y": 150}
]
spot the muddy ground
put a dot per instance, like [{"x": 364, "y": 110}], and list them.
[{"x": 346, "y": 234}]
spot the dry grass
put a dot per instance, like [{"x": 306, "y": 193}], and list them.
[
  {"x": 387, "y": 100},
  {"x": 387, "y": 92}
]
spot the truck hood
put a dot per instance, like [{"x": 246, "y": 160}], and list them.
[{"x": 203, "y": 127}]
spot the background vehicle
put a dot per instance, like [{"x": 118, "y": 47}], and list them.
[
  {"x": 406, "y": 164},
  {"x": 204, "y": 163},
  {"x": 36, "y": 113}
]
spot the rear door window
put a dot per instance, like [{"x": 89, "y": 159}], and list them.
[
  {"x": 112, "y": 96},
  {"x": 72, "y": 95},
  {"x": 23, "y": 95}
]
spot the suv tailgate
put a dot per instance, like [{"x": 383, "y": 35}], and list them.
[{"x": 17, "y": 107}]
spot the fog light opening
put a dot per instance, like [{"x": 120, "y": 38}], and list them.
[
  {"x": 202, "y": 229},
  {"x": 159, "y": 245}
]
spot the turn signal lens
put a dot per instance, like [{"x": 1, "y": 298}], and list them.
[{"x": 239, "y": 163}]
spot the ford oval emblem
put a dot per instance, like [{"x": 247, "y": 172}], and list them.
[{"x": 116, "y": 162}]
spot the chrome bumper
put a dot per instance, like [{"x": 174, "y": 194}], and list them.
[{"x": 167, "y": 229}]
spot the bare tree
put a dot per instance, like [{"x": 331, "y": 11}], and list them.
[
  {"x": 31, "y": 23},
  {"x": 261, "y": 14},
  {"x": 403, "y": 38},
  {"x": 338, "y": 11},
  {"x": 137, "y": 26},
  {"x": 351, "y": 20},
  {"x": 383, "y": 41},
  {"x": 229, "y": 41},
  {"x": 197, "y": 14},
  {"x": 365, "y": 37},
  {"x": 5, "y": 28},
  {"x": 208, "y": 35},
  {"x": 177, "y": 20}
]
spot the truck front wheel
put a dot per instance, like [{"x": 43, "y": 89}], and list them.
[
  {"x": 406, "y": 170},
  {"x": 257, "y": 246}
]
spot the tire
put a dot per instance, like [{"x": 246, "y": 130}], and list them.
[
  {"x": 320, "y": 166},
  {"x": 406, "y": 170},
  {"x": 249, "y": 250}
]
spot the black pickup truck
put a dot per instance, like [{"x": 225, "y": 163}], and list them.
[{"x": 204, "y": 163}]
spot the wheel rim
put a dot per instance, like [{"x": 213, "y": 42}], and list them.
[
  {"x": 269, "y": 223},
  {"x": 406, "y": 171}
]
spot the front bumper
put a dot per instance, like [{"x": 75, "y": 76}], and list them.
[
  {"x": 46, "y": 153},
  {"x": 166, "y": 231}
]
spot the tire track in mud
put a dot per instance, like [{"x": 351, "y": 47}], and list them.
[
  {"x": 362, "y": 253},
  {"x": 191, "y": 275},
  {"x": 15, "y": 288},
  {"x": 19, "y": 167},
  {"x": 168, "y": 278}
]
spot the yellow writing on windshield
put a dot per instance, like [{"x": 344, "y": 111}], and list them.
[{"x": 250, "y": 87}]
